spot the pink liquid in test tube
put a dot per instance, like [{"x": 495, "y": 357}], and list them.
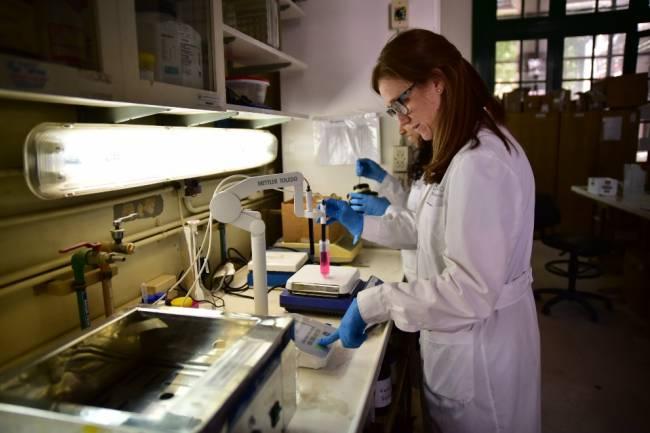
[{"x": 324, "y": 258}]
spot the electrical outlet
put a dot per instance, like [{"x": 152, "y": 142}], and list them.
[
  {"x": 401, "y": 156},
  {"x": 399, "y": 18}
]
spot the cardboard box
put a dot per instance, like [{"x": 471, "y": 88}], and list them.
[
  {"x": 629, "y": 90},
  {"x": 556, "y": 100},
  {"x": 296, "y": 229},
  {"x": 538, "y": 103},
  {"x": 560, "y": 100},
  {"x": 514, "y": 101}
]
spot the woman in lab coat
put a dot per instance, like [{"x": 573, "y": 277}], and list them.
[{"x": 473, "y": 230}]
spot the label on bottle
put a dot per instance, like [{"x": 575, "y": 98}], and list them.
[{"x": 383, "y": 392}]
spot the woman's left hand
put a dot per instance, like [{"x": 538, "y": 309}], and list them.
[{"x": 351, "y": 332}]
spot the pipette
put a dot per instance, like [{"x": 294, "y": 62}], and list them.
[{"x": 324, "y": 244}]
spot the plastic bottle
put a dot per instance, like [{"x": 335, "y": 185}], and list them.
[{"x": 383, "y": 389}]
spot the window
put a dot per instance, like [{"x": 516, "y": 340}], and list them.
[
  {"x": 590, "y": 6},
  {"x": 590, "y": 58},
  {"x": 546, "y": 45},
  {"x": 520, "y": 64},
  {"x": 514, "y": 8},
  {"x": 643, "y": 58}
]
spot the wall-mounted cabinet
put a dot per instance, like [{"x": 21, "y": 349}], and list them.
[
  {"x": 172, "y": 53},
  {"x": 138, "y": 54},
  {"x": 65, "y": 50}
]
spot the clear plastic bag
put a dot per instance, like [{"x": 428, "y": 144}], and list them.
[{"x": 342, "y": 140}]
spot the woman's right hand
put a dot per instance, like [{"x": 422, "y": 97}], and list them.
[
  {"x": 368, "y": 168},
  {"x": 341, "y": 211}
]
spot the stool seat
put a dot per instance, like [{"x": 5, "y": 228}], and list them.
[{"x": 583, "y": 246}]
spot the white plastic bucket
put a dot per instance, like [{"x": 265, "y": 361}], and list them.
[{"x": 253, "y": 88}]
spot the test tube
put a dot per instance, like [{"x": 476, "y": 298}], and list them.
[{"x": 324, "y": 244}]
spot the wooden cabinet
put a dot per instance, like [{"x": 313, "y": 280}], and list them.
[
  {"x": 618, "y": 142},
  {"x": 55, "y": 52},
  {"x": 172, "y": 55},
  {"x": 567, "y": 148},
  {"x": 578, "y": 152},
  {"x": 151, "y": 56},
  {"x": 538, "y": 135}
]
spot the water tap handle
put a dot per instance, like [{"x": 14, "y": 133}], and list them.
[
  {"x": 118, "y": 222},
  {"x": 118, "y": 232}
]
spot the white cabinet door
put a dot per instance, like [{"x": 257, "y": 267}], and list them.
[
  {"x": 59, "y": 51},
  {"x": 172, "y": 53}
]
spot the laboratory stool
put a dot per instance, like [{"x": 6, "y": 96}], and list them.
[{"x": 546, "y": 216}]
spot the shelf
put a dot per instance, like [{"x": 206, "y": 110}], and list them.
[
  {"x": 249, "y": 52},
  {"x": 261, "y": 117},
  {"x": 289, "y": 10},
  {"x": 39, "y": 80}
]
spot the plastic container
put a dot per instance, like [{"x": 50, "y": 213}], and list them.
[{"x": 251, "y": 87}]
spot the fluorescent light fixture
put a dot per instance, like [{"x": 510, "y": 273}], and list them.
[
  {"x": 64, "y": 160},
  {"x": 642, "y": 156}
]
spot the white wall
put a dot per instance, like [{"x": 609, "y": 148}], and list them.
[
  {"x": 456, "y": 24},
  {"x": 340, "y": 41}
]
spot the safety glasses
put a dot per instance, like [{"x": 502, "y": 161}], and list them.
[{"x": 398, "y": 105}]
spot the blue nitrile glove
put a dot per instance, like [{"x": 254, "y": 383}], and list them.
[
  {"x": 352, "y": 330},
  {"x": 341, "y": 211},
  {"x": 368, "y": 168},
  {"x": 368, "y": 204}
]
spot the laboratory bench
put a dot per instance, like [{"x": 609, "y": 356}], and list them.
[
  {"x": 337, "y": 398},
  {"x": 636, "y": 204}
]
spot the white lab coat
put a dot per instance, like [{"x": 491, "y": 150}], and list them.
[
  {"x": 400, "y": 201},
  {"x": 472, "y": 300}
]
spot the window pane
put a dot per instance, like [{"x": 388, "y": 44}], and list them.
[
  {"x": 508, "y": 9},
  {"x": 642, "y": 26},
  {"x": 643, "y": 63},
  {"x": 602, "y": 45},
  {"x": 576, "y": 86},
  {"x": 579, "y": 46},
  {"x": 618, "y": 43},
  {"x": 603, "y": 42},
  {"x": 622, "y": 4},
  {"x": 507, "y": 51},
  {"x": 605, "y": 5},
  {"x": 576, "y": 68},
  {"x": 534, "y": 56},
  {"x": 600, "y": 67},
  {"x": 501, "y": 88},
  {"x": 644, "y": 44},
  {"x": 506, "y": 72},
  {"x": 616, "y": 66},
  {"x": 536, "y": 8},
  {"x": 580, "y": 6}
]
